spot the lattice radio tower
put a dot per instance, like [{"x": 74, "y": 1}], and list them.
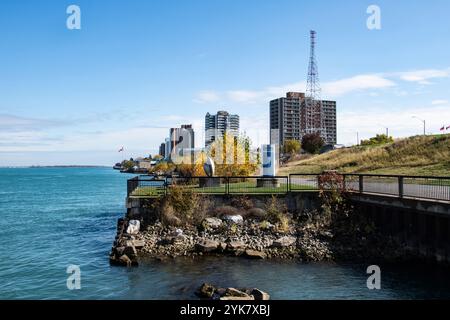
[{"x": 314, "y": 114}]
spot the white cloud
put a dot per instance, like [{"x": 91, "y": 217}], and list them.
[
  {"x": 423, "y": 76},
  {"x": 439, "y": 102},
  {"x": 330, "y": 90},
  {"x": 356, "y": 83}
]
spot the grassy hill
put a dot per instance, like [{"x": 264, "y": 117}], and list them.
[{"x": 420, "y": 155}]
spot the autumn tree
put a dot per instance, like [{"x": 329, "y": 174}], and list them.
[
  {"x": 232, "y": 155},
  {"x": 291, "y": 146},
  {"x": 312, "y": 143}
]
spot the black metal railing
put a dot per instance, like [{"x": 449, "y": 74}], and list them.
[
  {"x": 146, "y": 187},
  {"x": 423, "y": 187},
  {"x": 149, "y": 187},
  {"x": 303, "y": 182}
]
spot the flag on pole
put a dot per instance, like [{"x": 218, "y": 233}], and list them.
[
  {"x": 448, "y": 128},
  {"x": 121, "y": 149},
  {"x": 443, "y": 128}
]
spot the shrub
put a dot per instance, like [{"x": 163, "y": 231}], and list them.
[
  {"x": 312, "y": 143},
  {"x": 291, "y": 146},
  {"x": 379, "y": 139},
  {"x": 283, "y": 224},
  {"x": 332, "y": 194},
  {"x": 128, "y": 164},
  {"x": 265, "y": 225},
  {"x": 277, "y": 213},
  {"x": 183, "y": 206},
  {"x": 168, "y": 216}
]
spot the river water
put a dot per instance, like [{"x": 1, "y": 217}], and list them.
[{"x": 55, "y": 217}]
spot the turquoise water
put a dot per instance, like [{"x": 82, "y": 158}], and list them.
[{"x": 55, "y": 217}]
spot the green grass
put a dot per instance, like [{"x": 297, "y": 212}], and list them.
[{"x": 235, "y": 188}]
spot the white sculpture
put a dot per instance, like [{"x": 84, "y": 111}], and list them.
[{"x": 209, "y": 167}]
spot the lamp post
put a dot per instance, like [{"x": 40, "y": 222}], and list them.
[
  {"x": 387, "y": 129},
  {"x": 424, "y": 124}
]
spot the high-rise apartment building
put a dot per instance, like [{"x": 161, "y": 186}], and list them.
[
  {"x": 162, "y": 150},
  {"x": 219, "y": 123},
  {"x": 287, "y": 119},
  {"x": 181, "y": 139}
]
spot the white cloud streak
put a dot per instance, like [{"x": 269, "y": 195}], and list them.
[{"x": 331, "y": 89}]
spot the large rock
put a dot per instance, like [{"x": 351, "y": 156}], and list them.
[
  {"x": 130, "y": 251},
  {"x": 138, "y": 244},
  {"x": 133, "y": 227},
  {"x": 177, "y": 233},
  {"x": 124, "y": 260},
  {"x": 235, "y": 245},
  {"x": 206, "y": 290},
  {"x": 237, "y": 298},
  {"x": 212, "y": 223},
  {"x": 222, "y": 246},
  {"x": 260, "y": 295},
  {"x": 235, "y": 293},
  {"x": 256, "y": 213},
  {"x": 284, "y": 242},
  {"x": 236, "y": 219},
  {"x": 206, "y": 245},
  {"x": 119, "y": 250},
  {"x": 253, "y": 254}
]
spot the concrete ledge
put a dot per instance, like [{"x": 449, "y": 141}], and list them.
[{"x": 415, "y": 204}]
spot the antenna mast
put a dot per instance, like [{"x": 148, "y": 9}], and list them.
[{"x": 314, "y": 114}]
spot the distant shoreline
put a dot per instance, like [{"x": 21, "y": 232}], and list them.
[{"x": 56, "y": 166}]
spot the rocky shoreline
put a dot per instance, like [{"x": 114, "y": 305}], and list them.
[{"x": 248, "y": 238}]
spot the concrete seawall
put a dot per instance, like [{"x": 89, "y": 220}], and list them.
[
  {"x": 424, "y": 226},
  {"x": 295, "y": 202}
]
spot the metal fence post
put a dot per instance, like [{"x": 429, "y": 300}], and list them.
[
  {"x": 400, "y": 187},
  {"x": 361, "y": 184},
  {"x": 288, "y": 185}
]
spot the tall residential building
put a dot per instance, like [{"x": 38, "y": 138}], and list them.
[
  {"x": 162, "y": 150},
  {"x": 168, "y": 150},
  {"x": 182, "y": 140},
  {"x": 287, "y": 119},
  {"x": 216, "y": 125}
]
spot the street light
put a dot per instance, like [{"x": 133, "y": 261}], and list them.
[
  {"x": 424, "y": 124},
  {"x": 387, "y": 129}
]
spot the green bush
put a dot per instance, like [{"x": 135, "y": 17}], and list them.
[
  {"x": 379, "y": 139},
  {"x": 312, "y": 143},
  {"x": 291, "y": 146},
  {"x": 277, "y": 214}
]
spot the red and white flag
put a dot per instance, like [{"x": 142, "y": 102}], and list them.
[{"x": 121, "y": 149}]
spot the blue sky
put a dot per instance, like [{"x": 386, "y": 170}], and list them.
[{"x": 137, "y": 68}]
